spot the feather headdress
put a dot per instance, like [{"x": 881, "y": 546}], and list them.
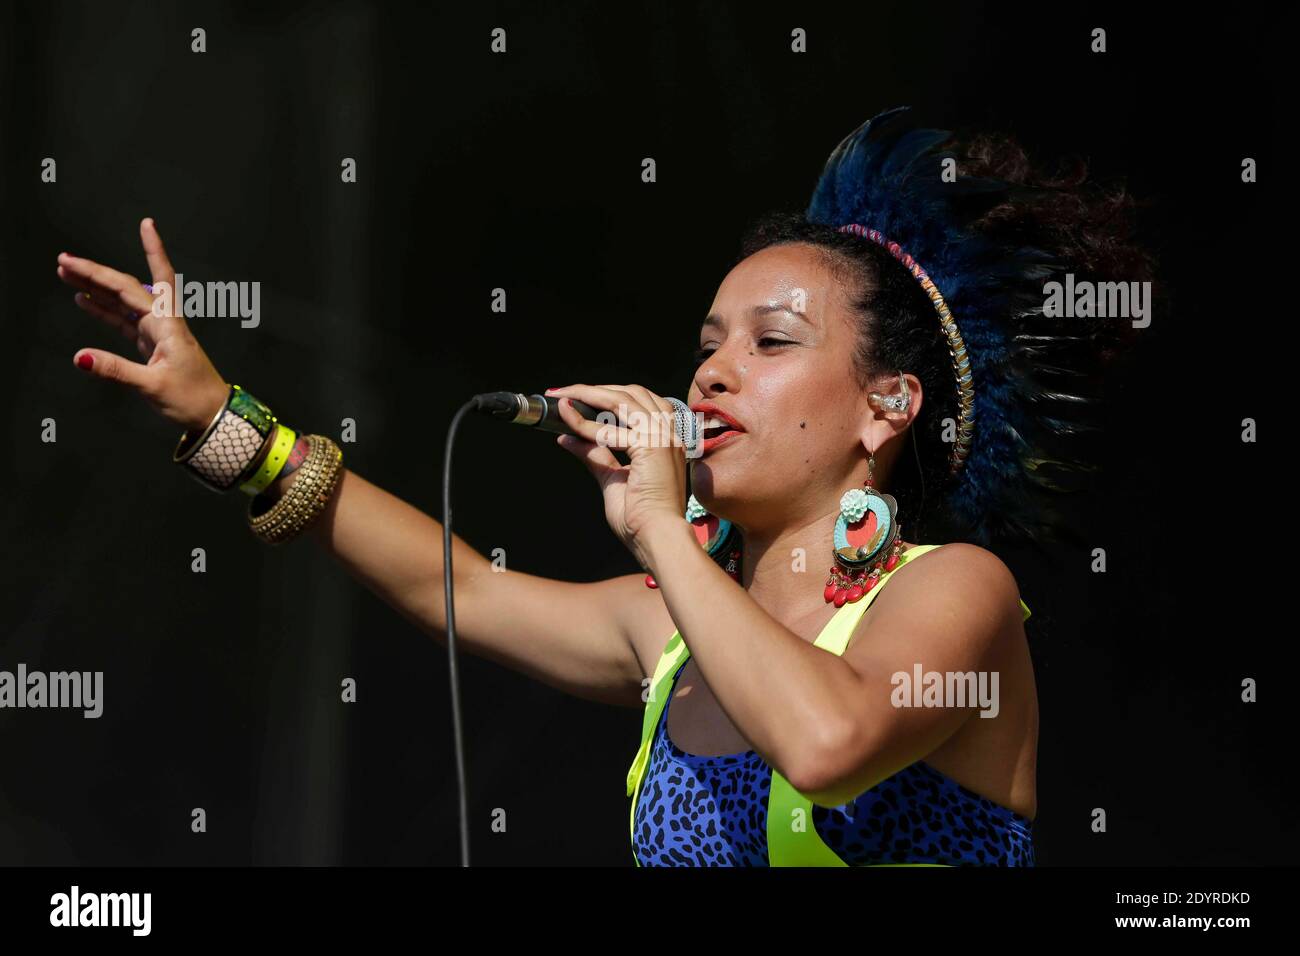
[{"x": 886, "y": 177}]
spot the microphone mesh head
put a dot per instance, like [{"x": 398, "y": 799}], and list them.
[{"x": 684, "y": 421}]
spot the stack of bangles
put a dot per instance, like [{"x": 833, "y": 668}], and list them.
[{"x": 245, "y": 446}]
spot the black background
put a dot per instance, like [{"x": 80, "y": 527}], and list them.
[{"x": 522, "y": 171}]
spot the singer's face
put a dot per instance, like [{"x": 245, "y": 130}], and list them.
[{"x": 778, "y": 348}]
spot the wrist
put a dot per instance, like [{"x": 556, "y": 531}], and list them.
[
  {"x": 207, "y": 407},
  {"x": 663, "y": 543}
]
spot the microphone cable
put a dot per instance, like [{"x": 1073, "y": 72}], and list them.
[
  {"x": 462, "y": 787},
  {"x": 500, "y": 405}
]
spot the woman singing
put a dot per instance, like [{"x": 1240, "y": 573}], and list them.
[{"x": 818, "y": 687}]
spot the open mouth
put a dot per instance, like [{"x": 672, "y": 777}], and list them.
[
  {"x": 716, "y": 426},
  {"x": 717, "y": 429}
]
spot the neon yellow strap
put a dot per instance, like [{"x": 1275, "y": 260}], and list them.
[
  {"x": 281, "y": 445},
  {"x": 792, "y": 840},
  {"x": 675, "y": 653}
]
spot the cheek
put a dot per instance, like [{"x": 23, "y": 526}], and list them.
[
  {"x": 795, "y": 396},
  {"x": 810, "y": 417}
]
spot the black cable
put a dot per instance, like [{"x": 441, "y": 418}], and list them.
[
  {"x": 462, "y": 786},
  {"x": 920, "y": 473}
]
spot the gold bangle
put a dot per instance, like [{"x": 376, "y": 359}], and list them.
[
  {"x": 307, "y": 495},
  {"x": 312, "y": 487}
]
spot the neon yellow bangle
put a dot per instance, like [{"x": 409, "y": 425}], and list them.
[{"x": 281, "y": 445}]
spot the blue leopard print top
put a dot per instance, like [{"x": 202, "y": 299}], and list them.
[{"x": 712, "y": 811}]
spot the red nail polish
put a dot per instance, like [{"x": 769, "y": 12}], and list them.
[{"x": 86, "y": 361}]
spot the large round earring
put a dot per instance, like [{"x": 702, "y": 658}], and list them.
[
  {"x": 868, "y": 541},
  {"x": 718, "y": 536}
]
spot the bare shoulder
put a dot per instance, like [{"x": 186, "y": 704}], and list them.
[
  {"x": 968, "y": 571},
  {"x": 957, "y": 588}
]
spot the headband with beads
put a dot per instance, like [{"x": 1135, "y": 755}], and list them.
[{"x": 956, "y": 347}]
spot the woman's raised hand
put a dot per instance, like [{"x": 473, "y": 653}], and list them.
[
  {"x": 176, "y": 377},
  {"x": 648, "y": 492}
]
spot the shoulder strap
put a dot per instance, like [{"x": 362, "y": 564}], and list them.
[
  {"x": 835, "y": 637},
  {"x": 675, "y": 653},
  {"x": 792, "y": 840}
]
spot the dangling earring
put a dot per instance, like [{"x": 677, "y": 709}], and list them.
[
  {"x": 717, "y": 536},
  {"x": 868, "y": 542},
  {"x": 868, "y": 536}
]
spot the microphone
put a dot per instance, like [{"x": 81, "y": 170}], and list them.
[{"x": 543, "y": 412}]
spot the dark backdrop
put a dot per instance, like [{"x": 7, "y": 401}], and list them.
[{"x": 522, "y": 172}]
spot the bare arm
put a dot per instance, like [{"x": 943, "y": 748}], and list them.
[
  {"x": 828, "y": 723},
  {"x": 571, "y": 636},
  {"x": 576, "y": 637}
]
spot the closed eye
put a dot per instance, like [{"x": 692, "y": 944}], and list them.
[{"x": 702, "y": 355}]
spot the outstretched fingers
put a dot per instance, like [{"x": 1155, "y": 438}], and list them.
[
  {"x": 105, "y": 299},
  {"x": 111, "y": 317},
  {"x": 160, "y": 267},
  {"x": 101, "y": 281},
  {"x": 114, "y": 368}
]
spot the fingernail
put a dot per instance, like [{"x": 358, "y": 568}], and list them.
[{"x": 86, "y": 361}]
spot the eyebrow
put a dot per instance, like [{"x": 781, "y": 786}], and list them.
[{"x": 717, "y": 321}]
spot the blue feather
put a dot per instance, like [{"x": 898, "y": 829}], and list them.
[{"x": 885, "y": 175}]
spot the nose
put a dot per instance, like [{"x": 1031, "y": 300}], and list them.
[{"x": 719, "y": 373}]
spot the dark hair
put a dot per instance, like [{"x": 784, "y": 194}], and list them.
[{"x": 1088, "y": 229}]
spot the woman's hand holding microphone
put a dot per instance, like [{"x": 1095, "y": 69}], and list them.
[{"x": 646, "y": 497}]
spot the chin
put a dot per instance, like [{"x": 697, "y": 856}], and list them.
[
  {"x": 728, "y": 491},
  {"x": 709, "y": 486}
]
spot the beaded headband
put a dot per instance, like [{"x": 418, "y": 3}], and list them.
[{"x": 956, "y": 347}]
